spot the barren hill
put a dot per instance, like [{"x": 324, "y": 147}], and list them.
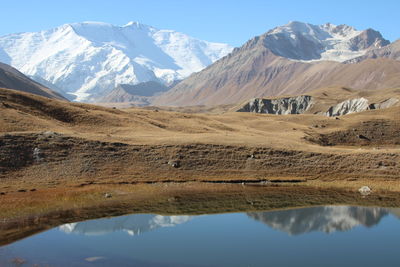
[
  {"x": 49, "y": 142},
  {"x": 137, "y": 95},
  {"x": 13, "y": 79}
]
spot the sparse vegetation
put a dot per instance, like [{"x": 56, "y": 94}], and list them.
[{"x": 55, "y": 170}]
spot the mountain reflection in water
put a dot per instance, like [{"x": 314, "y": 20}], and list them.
[
  {"x": 326, "y": 219},
  {"x": 132, "y": 224}
]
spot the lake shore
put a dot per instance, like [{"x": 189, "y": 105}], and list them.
[{"x": 24, "y": 214}]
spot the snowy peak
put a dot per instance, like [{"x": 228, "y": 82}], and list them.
[
  {"x": 89, "y": 59},
  {"x": 341, "y": 30},
  {"x": 308, "y": 42},
  {"x": 100, "y": 32}
]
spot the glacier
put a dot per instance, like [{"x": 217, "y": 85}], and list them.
[{"x": 87, "y": 60}]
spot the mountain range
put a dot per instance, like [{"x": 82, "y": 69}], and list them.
[
  {"x": 139, "y": 64},
  {"x": 87, "y": 60},
  {"x": 293, "y": 59}
]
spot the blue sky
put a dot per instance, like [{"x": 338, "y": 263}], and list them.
[{"x": 233, "y": 21}]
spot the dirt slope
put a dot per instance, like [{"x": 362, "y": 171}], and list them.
[{"x": 13, "y": 79}]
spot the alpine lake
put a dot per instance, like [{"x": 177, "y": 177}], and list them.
[{"x": 251, "y": 228}]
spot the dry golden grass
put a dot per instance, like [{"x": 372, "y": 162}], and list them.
[
  {"x": 354, "y": 185},
  {"x": 47, "y": 200},
  {"x": 28, "y": 113},
  {"x": 93, "y": 144}
]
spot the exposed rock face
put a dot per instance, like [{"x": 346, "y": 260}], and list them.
[
  {"x": 348, "y": 106},
  {"x": 358, "y": 105},
  {"x": 323, "y": 102},
  {"x": 304, "y": 41},
  {"x": 366, "y": 39},
  {"x": 385, "y": 104},
  {"x": 391, "y": 51},
  {"x": 280, "y": 106}
]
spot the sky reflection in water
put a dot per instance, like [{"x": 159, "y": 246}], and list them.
[{"x": 328, "y": 236}]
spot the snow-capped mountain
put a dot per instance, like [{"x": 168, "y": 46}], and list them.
[
  {"x": 307, "y": 42},
  {"x": 289, "y": 60},
  {"x": 89, "y": 59}
]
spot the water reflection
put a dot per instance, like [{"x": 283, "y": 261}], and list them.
[
  {"x": 231, "y": 239},
  {"x": 395, "y": 212},
  {"x": 131, "y": 224},
  {"x": 326, "y": 219}
]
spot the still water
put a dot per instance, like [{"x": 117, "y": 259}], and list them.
[{"x": 317, "y": 236}]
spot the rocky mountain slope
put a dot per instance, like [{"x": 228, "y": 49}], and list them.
[
  {"x": 11, "y": 78},
  {"x": 307, "y": 42},
  {"x": 390, "y": 51},
  {"x": 88, "y": 59},
  {"x": 292, "y": 59}
]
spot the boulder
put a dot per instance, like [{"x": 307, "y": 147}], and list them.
[
  {"x": 365, "y": 190},
  {"x": 173, "y": 163}
]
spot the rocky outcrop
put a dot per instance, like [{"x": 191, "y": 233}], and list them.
[
  {"x": 358, "y": 105},
  {"x": 385, "y": 104},
  {"x": 280, "y": 106},
  {"x": 348, "y": 106},
  {"x": 302, "y": 104}
]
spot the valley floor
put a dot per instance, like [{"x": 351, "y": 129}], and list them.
[{"x": 54, "y": 146}]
